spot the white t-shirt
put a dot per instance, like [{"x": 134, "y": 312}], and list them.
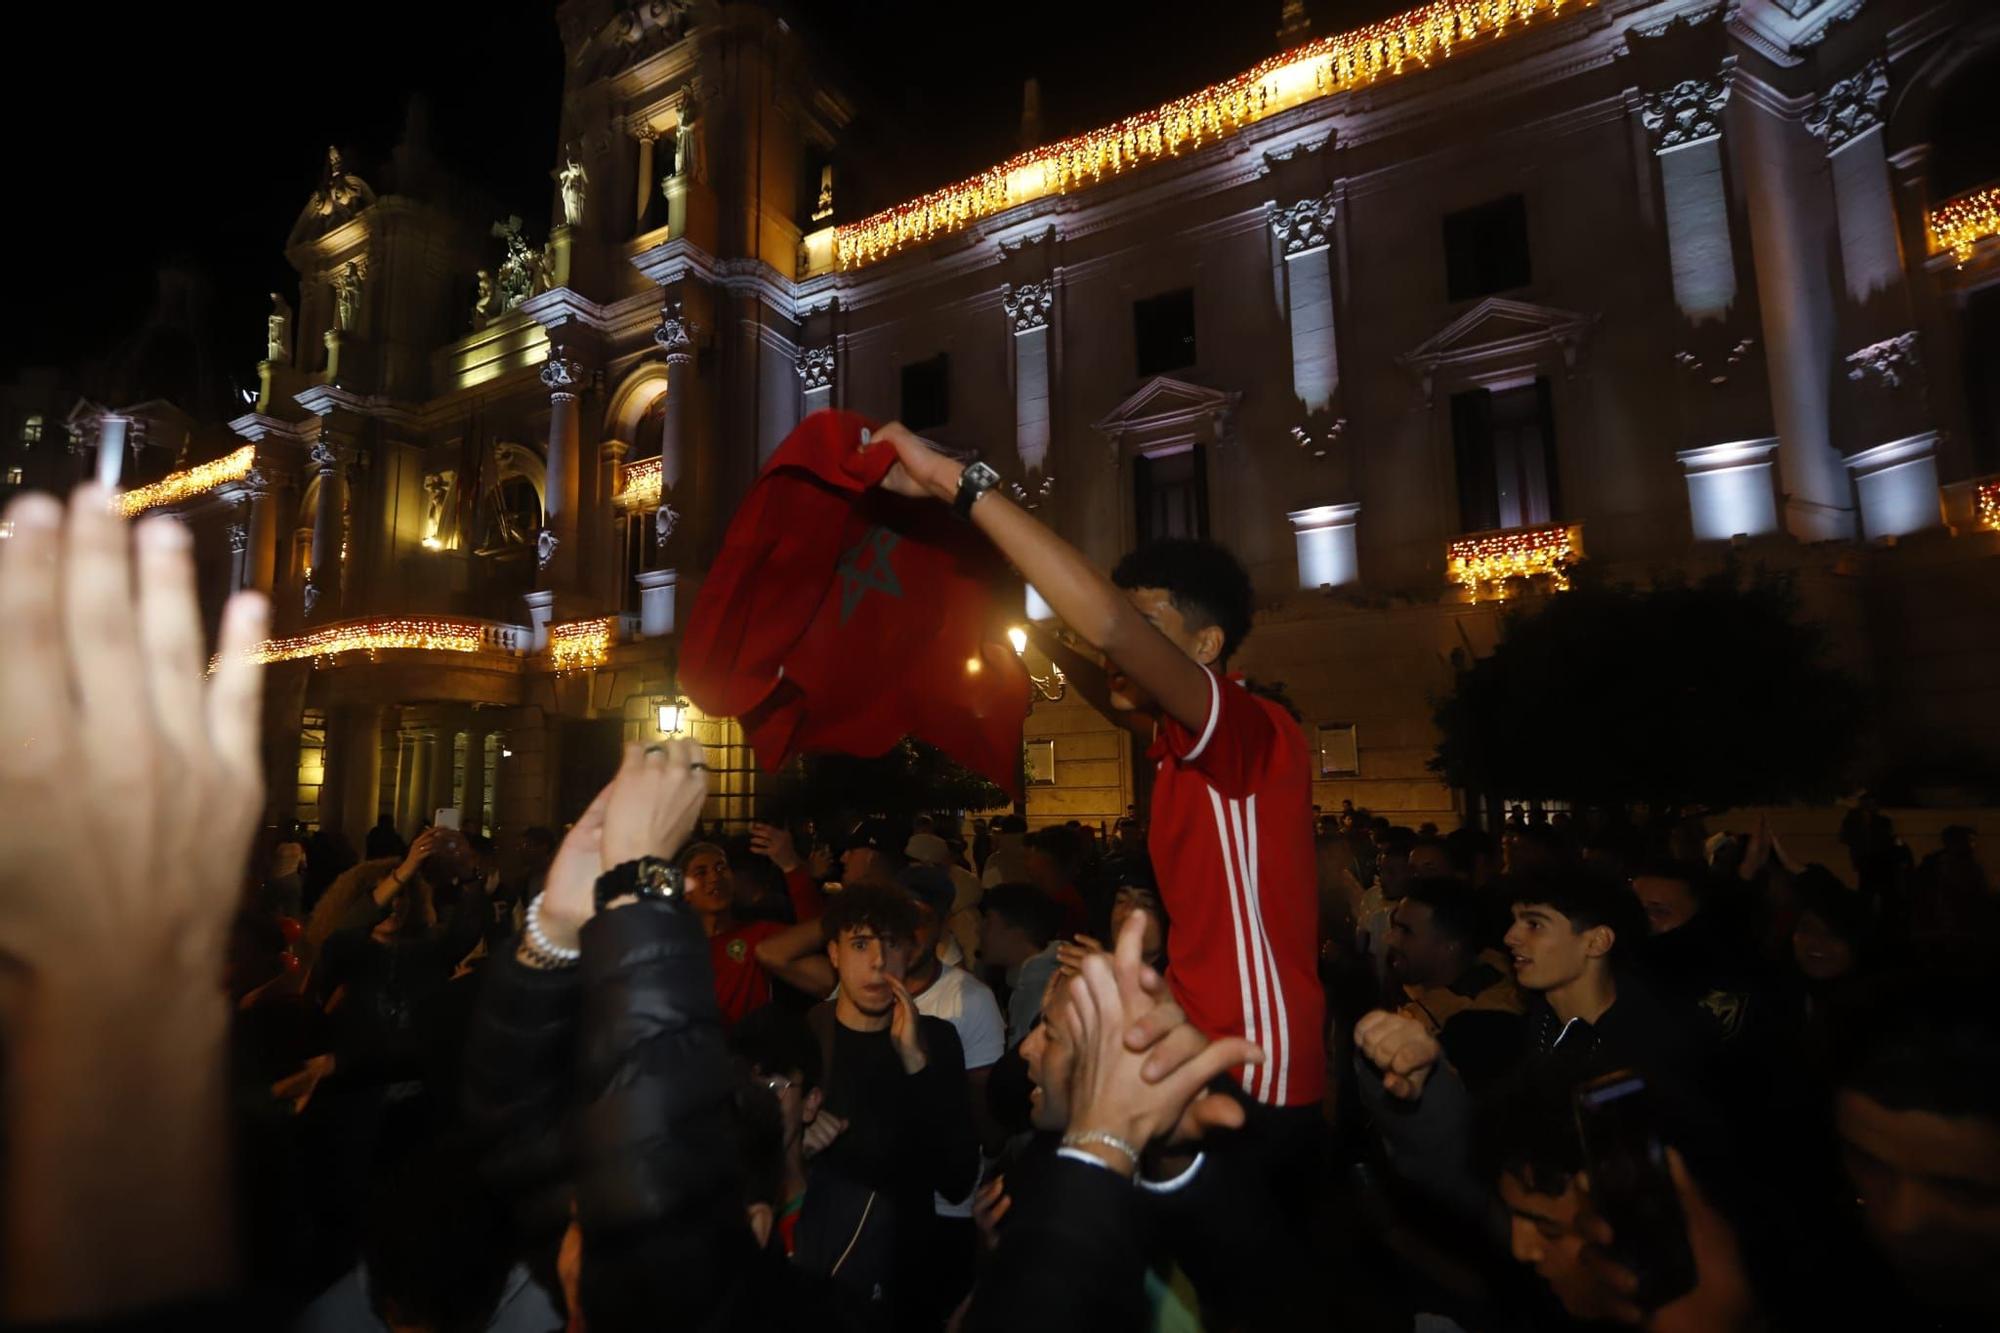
[{"x": 967, "y": 1003}]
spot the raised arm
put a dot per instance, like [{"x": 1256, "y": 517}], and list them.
[
  {"x": 1087, "y": 677},
  {"x": 796, "y": 956},
  {"x": 1079, "y": 592}
]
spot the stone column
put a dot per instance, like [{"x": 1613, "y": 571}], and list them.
[
  {"x": 443, "y": 746},
  {"x": 261, "y": 565},
  {"x": 555, "y": 547},
  {"x": 1686, "y": 124},
  {"x": 1787, "y": 237},
  {"x": 656, "y": 601},
  {"x": 113, "y": 431},
  {"x": 1328, "y": 554},
  {"x": 1849, "y": 120},
  {"x": 474, "y": 797},
  {"x": 323, "y": 590},
  {"x": 353, "y": 771},
  {"x": 1305, "y": 229},
  {"x": 1027, "y": 307}
]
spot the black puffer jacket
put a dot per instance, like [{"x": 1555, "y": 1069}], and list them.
[{"x": 612, "y": 1082}]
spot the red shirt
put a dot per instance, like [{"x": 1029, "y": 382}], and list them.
[
  {"x": 1232, "y": 845},
  {"x": 741, "y": 985}
]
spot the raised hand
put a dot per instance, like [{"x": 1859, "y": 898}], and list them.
[
  {"x": 569, "y": 890},
  {"x": 775, "y": 843},
  {"x": 655, "y": 801},
  {"x": 990, "y": 1204},
  {"x": 1109, "y": 1093},
  {"x": 1401, "y": 1048},
  {"x": 903, "y": 1027},
  {"x": 921, "y": 471},
  {"x": 820, "y": 1134},
  {"x": 1722, "y": 1300},
  {"x": 1071, "y": 953}
]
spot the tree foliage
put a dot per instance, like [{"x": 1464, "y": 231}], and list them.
[{"x": 1713, "y": 693}]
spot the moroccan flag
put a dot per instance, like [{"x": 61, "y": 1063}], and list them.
[{"x": 839, "y": 617}]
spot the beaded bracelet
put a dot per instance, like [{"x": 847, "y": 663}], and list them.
[
  {"x": 1104, "y": 1137},
  {"x": 539, "y": 943}
]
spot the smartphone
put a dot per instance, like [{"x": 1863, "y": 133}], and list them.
[
  {"x": 1617, "y": 1119},
  {"x": 447, "y": 817}
]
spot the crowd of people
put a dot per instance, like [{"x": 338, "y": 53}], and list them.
[{"x": 1235, "y": 1062}]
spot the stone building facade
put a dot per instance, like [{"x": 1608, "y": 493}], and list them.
[{"x": 1413, "y": 318}]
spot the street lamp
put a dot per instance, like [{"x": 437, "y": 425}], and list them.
[
  {"x": 673, "y": 716},
  {"x": 1052, "y": 686}
]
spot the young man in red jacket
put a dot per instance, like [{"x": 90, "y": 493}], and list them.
[{"x": 1231, "y": 819}]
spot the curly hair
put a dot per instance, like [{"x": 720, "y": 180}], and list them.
[
  {"x": 887, "y": 911},
  {"x": 1205, "y": 583}
]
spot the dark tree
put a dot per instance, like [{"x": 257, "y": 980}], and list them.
[
  {"x": 1676, "y": 696},
  {"x": 911, "y": 779}
]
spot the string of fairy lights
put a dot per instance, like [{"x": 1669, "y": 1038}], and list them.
[
  {"x": 1959, "y": 225},
  {"x": 642, "y": 485},
  {"x": 1483, "y": 564},
  {"x": 1987, "y": 506},
  {"x": 1338, "y": 63},
  {"x": 188, "y": 483},
  {"x": 372, "y": 637},
  {"x": 579, "y": 645}
]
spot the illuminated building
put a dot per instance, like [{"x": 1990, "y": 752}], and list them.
[{"x": 1419, "y": 319}]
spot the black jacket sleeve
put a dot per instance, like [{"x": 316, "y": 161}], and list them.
[
  {"x": 941, "y": 1102},
  {"x": 1069, "y": 1259},
  {"x": 660, "y": 1194},
  {"x": 518, "y": 1054}
]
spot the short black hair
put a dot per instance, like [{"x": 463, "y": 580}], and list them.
[
  {"x": 1927, "y": 1041},
  {"x": 777, "y": 1040},
  {"x": 757, "y": 1123},
  {"x": 1060, "y": 843},
  {"x": 1586, "y": 896},
  {"x": 1456, "y": 911},
  {"x": 1690, "y": 873},
  {"x": 1849, "y": 913},
  {"x": 1026, "y": 907},
  {"x": 1398, "y": 841},
  {"x": 889, "y": 912},
  {"x": 1531, "y": 1135},
  {"x": 1205, "y": 583}
]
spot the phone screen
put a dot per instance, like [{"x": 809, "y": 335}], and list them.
[
  {"x": 1630, "y": 1185},
  {"x": 447, "y": 817}
]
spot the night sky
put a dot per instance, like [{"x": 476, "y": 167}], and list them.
[{"x": 163, "y": 140}]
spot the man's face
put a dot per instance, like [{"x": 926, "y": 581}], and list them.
[
  {"x": 1393, "y": 869},
  {"x": 798, "y": 1106},
  {"x": 855, "y": 864},
  {"x": 1669, "y": 903},
  {"x": 1545, "y": 1237},
  {"x": 1930, "y": 1195},
  {"x": 1418, "y": 955},
  {"x": 1819, "y": 951},
  {"x": 1428, "y": 861},
  {"x": 706, "y": 883},
  {"x": 1050, "y": 1057},
  {"x": 1548, "y": 952},
  {"x": 1130, "y": 840},
  {"x": 1157, "y": 606},
  {"x": 865, "y": 961},
  {"x": 1131, "y": 898}
]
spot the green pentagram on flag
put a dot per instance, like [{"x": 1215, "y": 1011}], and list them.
[{"x": 880, "y": 574}]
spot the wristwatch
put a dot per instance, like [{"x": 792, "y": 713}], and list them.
[
  {"x": 646, "y": 877},
  {"x": 975, "y": 481}
]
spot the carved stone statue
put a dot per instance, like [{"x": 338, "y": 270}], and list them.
[
  {"x": 665, "y": 519},
  {"x": 546, "y": 543},
  {"x": 438, "y": 487},
  {"x": 574, "y": 181},
  {"x": 524, "y": 271},
  {"x": 824, "y": 208},
  {"x": 689, "y": 145},
  {"x": 347, "y": 297},
  {"x": 278, "y": 330},
  {"x": 482, "y": 304}
]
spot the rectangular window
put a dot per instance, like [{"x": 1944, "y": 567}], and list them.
[
  {"x": 927, "y": 393},
  {"x": 13, "y": 476},
  {"x": 1039, "y": 761},
  {"x": 1339, "y": 752},
  {"x": 1486, "y": 249},
  {"x": 1505, "y": 447},
  {"x": 1170, "y": 494},
  {"x": 1163, "y": 332},
  {"x": 31, "y": 432}
]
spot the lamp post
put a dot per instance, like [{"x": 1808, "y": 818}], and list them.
[
  {"x": 1051, "y": 687},
  {"x": 673, "y": 716}
]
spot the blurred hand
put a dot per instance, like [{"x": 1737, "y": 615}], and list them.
[
  {"x": 298, "y": 1088},
  {"x": 903, "y": 1027},
  {"x": 768, "y": 840},
  {"x": 1071, "y": 953},
  {"x": 820, "y": 867},
  {"x": 920, "y": 470},
  {"x": 655, "y": 801},
  {"x": 820, "y": 1134},
  {"x": 130, "y": 782},
  {"x": 990, "y": 1204},
  {"x": 1401, "y": 1048},
  {"x": 1108, "y": 1089},
  {"x": 569, "y": 890},
  {"x": 1722, "y": 1300}
]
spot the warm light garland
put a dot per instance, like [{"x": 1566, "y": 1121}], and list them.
[
  {"x": 1959, "y": 225},
  {"x": 1486, "y": 561},
  {"x": 1986, "y": 510},
  {"x": 642, "y": 485},
  {"x": 579, "y": 644},
  {"x": 371, "y": 637},
  {"x": 1328, "y": 65},
  {"x": 178, "y": 486}
]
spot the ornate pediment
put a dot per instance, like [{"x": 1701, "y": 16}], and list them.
[
  {"x": 1166, "y": 408},
  {"x": 1496, "y": 331}
]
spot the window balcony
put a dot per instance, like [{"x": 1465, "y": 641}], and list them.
[
  {"x": 337, "y": 644},
  {"x": 1493, "y": 566}
]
